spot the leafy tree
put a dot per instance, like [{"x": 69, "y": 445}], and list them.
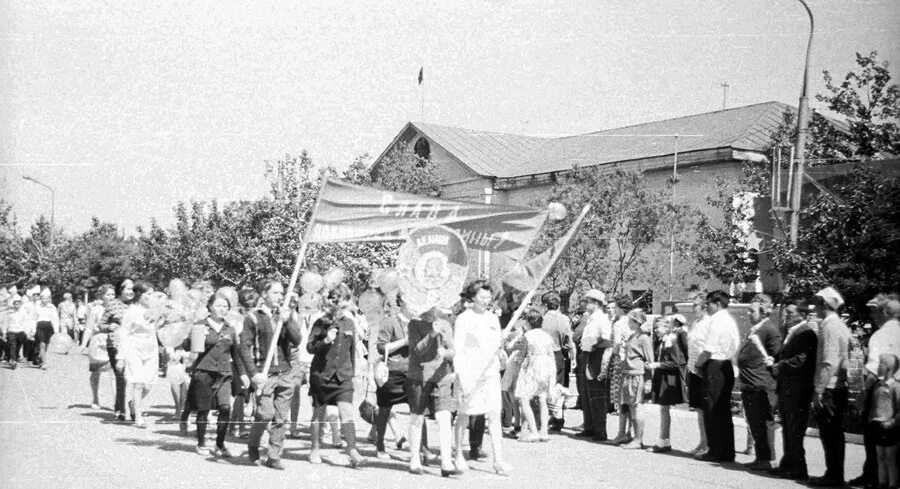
[
  {"x": 853, "y": 244},
  {"x": 625, "y": 239},
  {"x": 401, "y": 170}
]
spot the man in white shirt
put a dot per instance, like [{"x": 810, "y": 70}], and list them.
[
  {"x": 594, "y": 344},
  {"x": 715, "y": 362}
]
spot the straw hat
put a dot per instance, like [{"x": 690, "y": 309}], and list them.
[
  {"x": 831, "y": 297},
  {"x": 595, "y": 295}
]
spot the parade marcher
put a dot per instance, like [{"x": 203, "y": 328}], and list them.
[
  {"x": 884, "y": 418},
  {"x": 47, "y": 326},
  {"x": 309, "y": 309},
  {"x": 596, "y": 342},
  {"x": 668, "y": 375},
  {"x": 515, "y": 349},
  {"x": 559, "y": 327},
  {"x": 536, "y": 377},
  {"x": 393, "y": 346},
  {"x": 757, "y": 384},
  {"x": 138, "y": 347},
  {"x": 883, "y": 311},
  {"x": 793, "y": 368},
  {"x": 19, "y": 328},
  {"x": 429, "y": 385},
  {"x": 476, "y": 339},
  {"x": 67, "y": 319},
  {"x": 830, "y": 381},
  {"x": 30, "y": 304},
  {"x": 275, "y": 391},
  {"x": 720, "y": 345},
  {"x": 109, "y": 324},
  {"x": 249, "y": 300},
  {"x": 332, "y": 341},
  {"x": 696, "y": 335},
  {"x": 637, "y": 354},
  {"x": 210, "y": 386},
  {"x": 98, "y": 356}
]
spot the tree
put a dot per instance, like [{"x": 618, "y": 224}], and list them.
[
  {"x": 625, "y": 239},
  {"x": 401, "y": 170},
  {"x": 852, "y": 244},
  {"x": 871, "y": 105}
]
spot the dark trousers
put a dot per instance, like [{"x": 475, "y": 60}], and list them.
[
  {"x": 510, "y": 412},
  {"x": 597, "y": 407},
  {"x": 580, "y": 385},
  {"x": 14, "y": 342},
  {"x": 718, "y": 376},
  {"x": 794, "y": 397},
  {"x": 567, "y": 367},
  {"x": 758, "y": 410},
  {"x": 476, "y": 432},
  {"x": 119, "y": 406},
  {"x": 830, "y": 418}
]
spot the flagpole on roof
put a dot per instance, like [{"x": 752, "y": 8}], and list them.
[{"x": 422, "y": 92}]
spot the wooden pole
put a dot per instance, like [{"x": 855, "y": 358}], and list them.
[{"x": 295, "y": 274}]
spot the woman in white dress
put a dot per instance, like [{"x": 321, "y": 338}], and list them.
[
  {"x": 139, "y": 350},
  {"x": 477, "y": 339}
]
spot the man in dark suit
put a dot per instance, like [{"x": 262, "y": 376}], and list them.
[{"x": 793, "y": 369}]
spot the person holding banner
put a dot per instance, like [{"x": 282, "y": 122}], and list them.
[
  {"x": 276, "y": 386},
  {"x": 332, "y": 342},
  {"x": 477, "y": 339}
]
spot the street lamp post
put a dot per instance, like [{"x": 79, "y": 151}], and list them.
[
  {"x": 52, "y": 203},
  {"x": 802, "y": 130}
]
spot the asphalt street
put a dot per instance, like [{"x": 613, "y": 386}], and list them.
[{"x": 50, "y": 437}]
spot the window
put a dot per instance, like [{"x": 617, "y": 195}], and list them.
[{"x": 422, "y": 149}]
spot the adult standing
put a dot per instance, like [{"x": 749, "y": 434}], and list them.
[
  {"x": 67, "y": 312},
  {"x": 47, "y": 326},
  {"x": 559, "y": 327},
  {"x": 883, "y": 310},
  {"x": 476, "y": 339},
  {"x": 81, "y": 310},
  {"x": 696, "y": 335},
  {"x": 212, "y": 373},
  {"x": 757, "y": 383},
  {"x": 333, "y": 343},
  {"x": 113, "y": 313},
  {"x": 715, "y": 361},
  {"x": 429, "y": 386},
  {"x": 830, "y": 397},
  {"x": 793, "y": 368},
  {"x": 596, "y": 341},
  {"x": 97, "y": 341},
  {"x": 139, "y": 351},
  {"x": 392, "y": 345},
  {"x": 276, "y": 389}
]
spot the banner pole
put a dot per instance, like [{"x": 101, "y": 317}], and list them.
[
  {"x": 298, "y": 263},
  {"x": 528, "y": 297}
]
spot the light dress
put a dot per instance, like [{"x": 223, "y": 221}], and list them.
[
  {"x": 538, "y": 373},
  {"x": 476, "y": 339},
  {"x": 138, "y": 346}
]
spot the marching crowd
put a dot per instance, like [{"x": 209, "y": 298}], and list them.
[{"x": 469, "y": 369}]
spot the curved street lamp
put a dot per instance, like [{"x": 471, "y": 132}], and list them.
[
  {"x": 802, "y": 130},
  {"x": 52, "y": 203}
]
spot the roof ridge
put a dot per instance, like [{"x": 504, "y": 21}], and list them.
[{"x": 670, "y": 119}]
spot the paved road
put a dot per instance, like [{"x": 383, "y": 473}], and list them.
[{"x": 50, "y": 437}]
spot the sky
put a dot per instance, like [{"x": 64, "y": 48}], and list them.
[{"x": 126, "y": 108}]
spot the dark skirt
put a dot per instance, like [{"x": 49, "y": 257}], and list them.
[
  {"x": 391, "y": 392},
  {"x": 884, "y": 437},
  {"x": 695, "y": 391},
  {"x": 330, "y": 391},
  {"x": 44, "y": 332},
  {"x": 667, "y": 388},
  {"x": 209, "y": 390},
  {"x": 429, "y": 396}
]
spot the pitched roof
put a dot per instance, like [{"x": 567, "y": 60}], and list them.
[{"x": 510, "y": 155}]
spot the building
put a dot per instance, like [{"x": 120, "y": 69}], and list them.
[{"x": 519, "y": 169}]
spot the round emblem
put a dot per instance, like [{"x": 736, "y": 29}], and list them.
[{"x": 432, "y": 264}]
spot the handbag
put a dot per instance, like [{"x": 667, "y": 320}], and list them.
[
  {"x": 381, "y": 370},
  {"x": 97, "y": 353},
  {"x": 367, "y": 410}
]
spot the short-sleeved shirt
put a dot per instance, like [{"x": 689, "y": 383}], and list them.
[
  {"x": 696, "y": 336},
  {"x": 559, "y": 327},
  {"x": 723, "y": 338},
  {"x": 598, "y": 328},
  {"x": 885, "y": 340}
]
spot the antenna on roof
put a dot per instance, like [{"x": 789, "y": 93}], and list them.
[{"x": 725, "y": 86}]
